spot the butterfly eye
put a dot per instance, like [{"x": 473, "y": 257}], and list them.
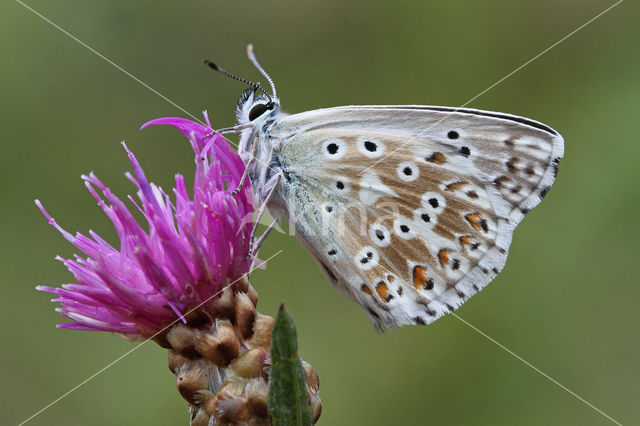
[{"x": 257, "y": 110}]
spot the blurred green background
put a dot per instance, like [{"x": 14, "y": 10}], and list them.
[{"x": 567, "y": 300}]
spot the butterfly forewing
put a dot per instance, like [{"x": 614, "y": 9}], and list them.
[{"x": 410, "y": 210}]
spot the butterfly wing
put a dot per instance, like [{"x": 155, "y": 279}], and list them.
[{"x": 410, "y": 209}]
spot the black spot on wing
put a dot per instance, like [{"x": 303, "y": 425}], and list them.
[
  {"x": 543, "y": 191},
  {"x": 420, "y": 321},
  {"x": 329, "y": 272}
]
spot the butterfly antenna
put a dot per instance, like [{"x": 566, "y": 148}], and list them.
[
  {"x": 256, "y": 86},
  {"x": 252, "y": 58}
]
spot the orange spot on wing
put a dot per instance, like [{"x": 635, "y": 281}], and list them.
[
  {"x": 391, "y": 279},
  {"x": 443, "y": 256},
  {"x": 465, "y": 240},
  {"x": 455, "y": 185},
  {"x": 474, "y": 220},
  {"x": 420, "y": 279},
  {"x": 382, "y": 290},
  {"x": 366, "y": 289}
]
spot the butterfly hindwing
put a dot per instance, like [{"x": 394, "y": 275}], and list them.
[{"x": 410, "y": 210}]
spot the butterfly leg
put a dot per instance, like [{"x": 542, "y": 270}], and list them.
[
  {"x": 255, "y": 244},
  {"x": 244, "y": 177}
]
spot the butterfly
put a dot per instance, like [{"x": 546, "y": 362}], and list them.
[{"x": 408, "y": 209}]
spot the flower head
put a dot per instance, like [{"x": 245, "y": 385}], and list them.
[{"x": 190, "y": 250}]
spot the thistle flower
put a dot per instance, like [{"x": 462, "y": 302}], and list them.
[
  {"x": 192, "y": 249},
  {"x": 190, "y": 265}
]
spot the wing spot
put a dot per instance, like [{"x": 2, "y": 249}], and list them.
[
  {"x": 465, "y": 151},
  {"x": 329, "y": 272},
  {"x": 465, "y": 240},
  {"x": 383, "y": 291},
  {"x": 332, "y": 148},
  {"x": 400, "y": 291},
  {"x": 453, "y": 134},
  {"x": 474, "y": 220},
  {"x": 443, "y": 257},
  {"x": 420, "y": 279},
  {"x": 449, "y": 307},
  {"x": 365, "y": 288},
  {"x": 516, "y": 189},
  {"x": 365, "y": 259},
  {"x": 455, "y": 265},
  {"x": 372, "y": 312},
  {"x": 332, "y": 252},
  {"x": 426, "y": 217},
  {"x": 329, "y": 209},
  {"x": 434, "y": 202},
  {"x": 339, "y": 185},
  {"x": 472, "y": 194},
  {"x": 370, "y": 146},
  {"x": 500, "y": 181},
  {"x": 511, "y": 164},
  {"x": 420, "y": 321},
  {"x": 556, "y": 163},
  {"x": 453, "y": 186},
  {"x": 530, "y": 170},
  {"x": 379, "y": 234},
  {"x": 437, "y": 158},
  {"x": 543, "y": 191}
]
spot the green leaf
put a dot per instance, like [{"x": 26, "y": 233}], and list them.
[{"x": 288, "y": 401}]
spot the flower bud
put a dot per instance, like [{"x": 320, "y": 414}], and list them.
[
  {"x": 223, "y": 305},
  {"x": 193, "y": 377},
  {"x": 253, "y": 295},
  {"x": 257, "y": 393},
  {"x": 233, "y": 411},
  {"x": 200, "y": 418},
  {"x": 313, "y": 381},
  {"x": 210, "y": 405},
  {"x": 245, "y": 314},
  {"x": 176, "y": 360},
  {"x": 261, "y": 331},
  {"x": 250, "y": 363},
  {"x": 181, "y": 338},
  {"x": 242, "y": 284},
  {"x": 221, "y": 347},
  {"x": 316, "y": 405}
]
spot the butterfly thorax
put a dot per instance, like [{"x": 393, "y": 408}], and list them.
[{"x": 257, "y": 142}]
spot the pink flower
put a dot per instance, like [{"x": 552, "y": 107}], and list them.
[{"x": 190, "y": 251}]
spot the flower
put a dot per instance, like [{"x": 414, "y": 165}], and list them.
[{"x": 192, "y": 249}]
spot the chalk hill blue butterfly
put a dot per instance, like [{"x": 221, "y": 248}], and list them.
[{"x": 408, "y": 209}]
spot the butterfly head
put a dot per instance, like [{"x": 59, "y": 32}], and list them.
[{"x": 256, "y": 107}]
